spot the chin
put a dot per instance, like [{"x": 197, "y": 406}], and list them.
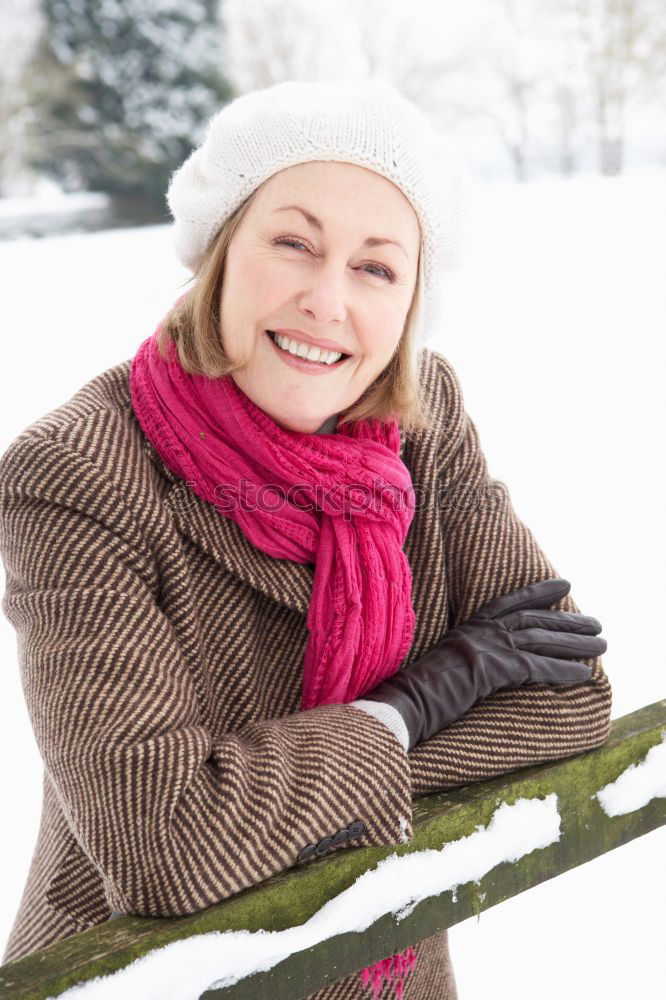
[{"x": 299, "y": 426}]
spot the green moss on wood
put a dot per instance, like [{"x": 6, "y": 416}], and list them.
[{"x": 292, "y": 897}]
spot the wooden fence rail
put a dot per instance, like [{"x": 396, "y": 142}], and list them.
[{"x": 290, "y": 899}]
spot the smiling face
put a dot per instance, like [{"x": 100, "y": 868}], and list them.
[{"x": 324, "y": 276}]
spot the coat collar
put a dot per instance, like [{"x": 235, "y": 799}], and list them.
[{"x": 287, "y": 582}]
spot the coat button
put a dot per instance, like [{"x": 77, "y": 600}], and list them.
[
  {"x": 340, "y": 837},
  {"x": 323, "y": 845},
  {"x": 356, "y": 828},
  {"x": 307, "y": 852}
]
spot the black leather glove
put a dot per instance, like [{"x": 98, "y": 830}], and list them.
[{"x": 508, "y": 642}]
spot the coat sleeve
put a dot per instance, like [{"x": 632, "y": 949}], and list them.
[
  {"x": 173, "y": 816},
  {"x": 489, "y": 551}
]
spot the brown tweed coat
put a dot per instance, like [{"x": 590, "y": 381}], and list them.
[{"x": 161, "y": 654}]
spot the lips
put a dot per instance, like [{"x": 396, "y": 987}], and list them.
[
  {"x": 312, "y": 367},
  {"x": 271, "y": 334},
  {"x": 305, "y": 338}
]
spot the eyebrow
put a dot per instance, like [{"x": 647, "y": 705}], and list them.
[{"x": 372, "y": 241}]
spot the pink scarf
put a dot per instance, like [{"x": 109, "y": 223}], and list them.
[{"x": 360, "y": 499}]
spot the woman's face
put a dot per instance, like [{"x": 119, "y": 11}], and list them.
[{"x": 287, "y": 272}]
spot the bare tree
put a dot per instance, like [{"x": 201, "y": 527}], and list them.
[
  {"x": 518, "y": 86},
  {"x": 623, "y": 44},
  {"x": 417, "y": 46},
  {"x": 273, "y": 40},
  {"x": 269, "y": 41},
  {"x": 509, "y": 67}
]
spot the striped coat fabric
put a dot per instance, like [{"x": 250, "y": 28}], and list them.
[{"x": 160, "y": 656}]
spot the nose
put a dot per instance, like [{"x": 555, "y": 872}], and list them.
[{"x": 324, "y": 300}]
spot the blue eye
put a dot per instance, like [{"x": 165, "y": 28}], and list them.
[
  {"x": 285, "y": 241},
  {"x": 290, "y": 242}
]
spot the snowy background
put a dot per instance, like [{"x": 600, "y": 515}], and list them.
[{"x": 554, "y": 323}]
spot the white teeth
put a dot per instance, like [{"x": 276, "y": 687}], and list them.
[{"x": 301, "y": 350}]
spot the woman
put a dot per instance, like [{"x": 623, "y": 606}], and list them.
[{"x": 265, "y": 600}]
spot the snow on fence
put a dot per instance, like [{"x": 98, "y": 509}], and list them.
[{"x": 473, "y": 847}]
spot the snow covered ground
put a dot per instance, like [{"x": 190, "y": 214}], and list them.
[{"x": 554, "y": 324}]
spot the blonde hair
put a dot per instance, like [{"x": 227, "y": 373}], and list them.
[{"x": 193, "y": 325}]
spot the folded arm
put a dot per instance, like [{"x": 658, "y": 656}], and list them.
[{"x": 490, "y": 551}]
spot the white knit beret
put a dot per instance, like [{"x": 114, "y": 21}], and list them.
[{"x": 367, "y": 122}]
